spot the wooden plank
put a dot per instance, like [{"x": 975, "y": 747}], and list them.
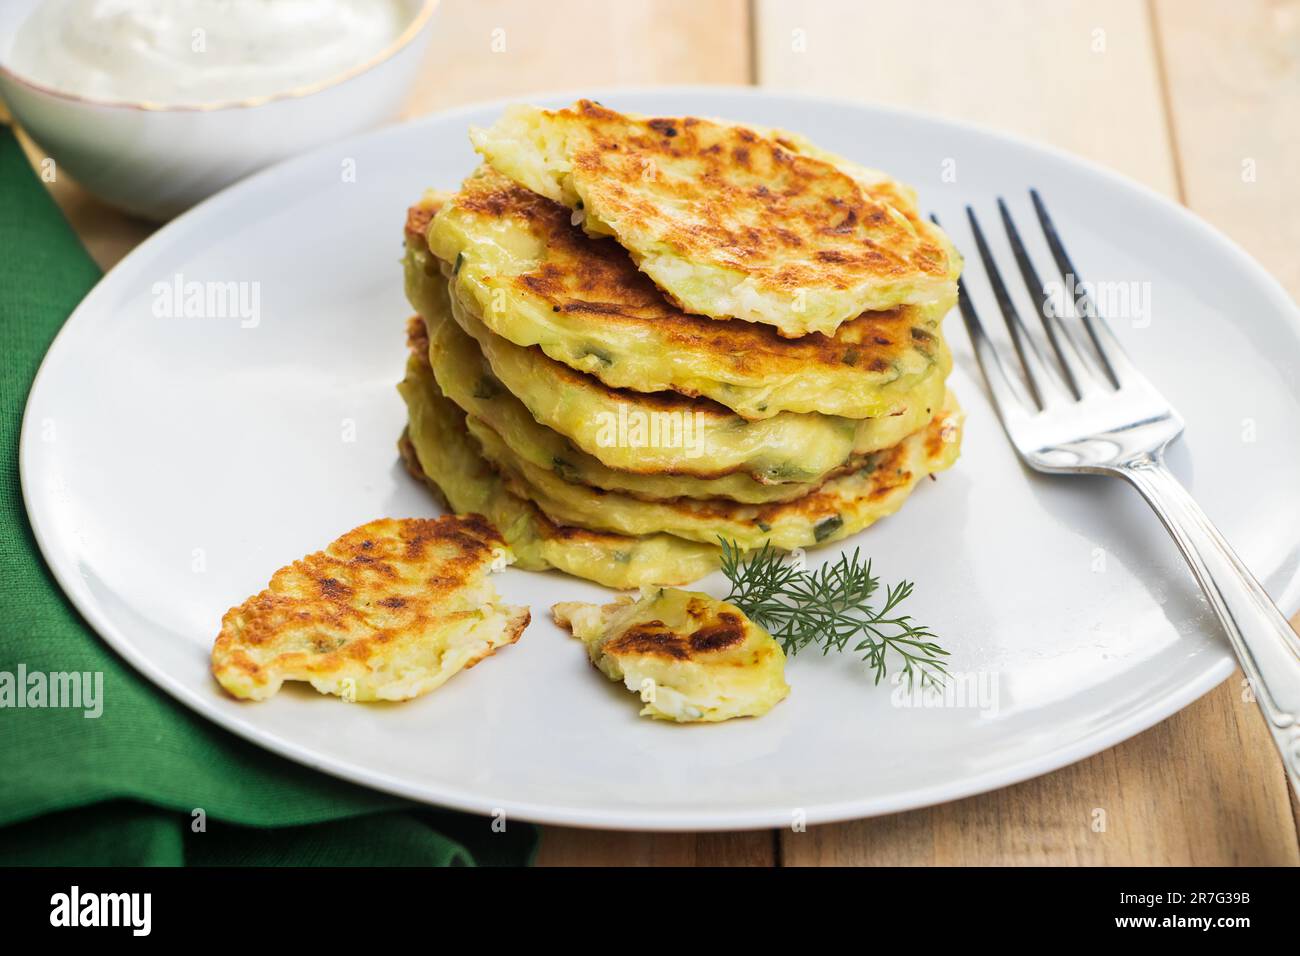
[
  {"x": 1196, "y": 790},
  {"x": 1075, "y": 73},
  {"x": 1233, "y": 84},
  {"x": 1205, "y": 786},
  {"x": 485, "y": 49},
  {"x": 562, "y": 846}
]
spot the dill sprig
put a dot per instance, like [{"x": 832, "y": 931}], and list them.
[{"x": 831, "y": 607}]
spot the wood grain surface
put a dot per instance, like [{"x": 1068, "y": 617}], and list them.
[{"x": 1198, "y": 99}]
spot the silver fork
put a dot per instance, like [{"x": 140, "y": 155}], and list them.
[{"x": 1089, "y": 410}]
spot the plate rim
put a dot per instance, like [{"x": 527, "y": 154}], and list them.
[{"x": 985, "y": 781}]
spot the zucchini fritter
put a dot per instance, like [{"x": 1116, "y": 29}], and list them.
[
  {"x": 438, "y": 450},
  {"x": 390, "y": 610},
  {"x": 441, "y": 447},
  {"x": 466, "y": 378},
  {"x": 789, "y": 447},
  {"x": 840, "y": 507},
  {"x": 691, "y": 657},
  {"x": 728, "y": 220},
  {"x": 537, "y": 279}
]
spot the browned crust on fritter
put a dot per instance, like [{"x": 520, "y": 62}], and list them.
[
  {"x": 724, "y": 631},
  {"x": 420, "y": 215},
  {"x": 417, "y": 338},
  {"x": 514, "y": 630},
  {"x": 939, "y": 433},
  {"x": 357, "y": 594},
  {"x": 642, "y": 401},
  {"x": 596, "y": 279},
  {"x": 884, "y": 469},
  {"x": 418, "y": 341},
  {"x": 886, "y": 475},
  {"x": 666, "y": 401},
  {"x": 546, "y": 528},
  {"x": 761, "y": 207},
  {"x": 413, "y": 468}
]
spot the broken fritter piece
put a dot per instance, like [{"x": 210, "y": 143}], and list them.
[
  {"x": 691, "y": 657},
  {"x": 389, "y": 611}
]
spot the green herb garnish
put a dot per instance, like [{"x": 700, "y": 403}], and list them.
[
  {"x": 784, "y": 471},
  {"x": 599, "y": 354},
  {"x": 826, "y": 527},
  {"x": 832, "y": 607},
  {"x": 486, "y": 388}
]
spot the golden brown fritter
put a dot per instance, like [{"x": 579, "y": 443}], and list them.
[
  {"x": 537, "y": 279},
  {"x": 690, "y": 656},
  {"x": 728, "y": 220},
  {"x": 390, "y": 610},
  {"x": 438, "y": 449}
]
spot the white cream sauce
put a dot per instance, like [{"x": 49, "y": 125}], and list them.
[{"x": 197, "y": 52}]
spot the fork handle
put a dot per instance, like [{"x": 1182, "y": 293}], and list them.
[{"x": 1266, "y": 645}]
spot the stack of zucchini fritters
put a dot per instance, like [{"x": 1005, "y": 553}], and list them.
[{"x": 639, "y": 336}]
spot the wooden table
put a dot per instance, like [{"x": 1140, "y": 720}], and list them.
[{"x": 1196, "y": 98}]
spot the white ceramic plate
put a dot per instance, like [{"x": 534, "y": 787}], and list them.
[{"x": 171, "y": 464}]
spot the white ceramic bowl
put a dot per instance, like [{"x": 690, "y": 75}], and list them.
[{"x": 157, "y": 161}]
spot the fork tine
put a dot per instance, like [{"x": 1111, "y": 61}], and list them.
[
  {"x": 1043, "y": 383},
  {"x": 1008, "y": 402},
  {"x": 1078, "y": 374},
  {"x": 1114, "y": 359}
]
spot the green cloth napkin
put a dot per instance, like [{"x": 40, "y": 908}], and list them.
[{"x": 126, "y": 788}]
